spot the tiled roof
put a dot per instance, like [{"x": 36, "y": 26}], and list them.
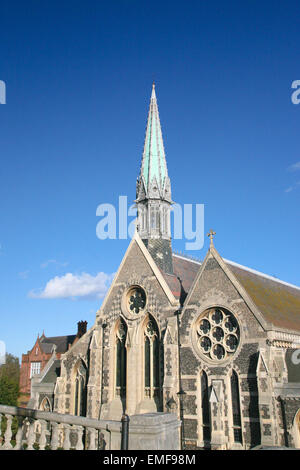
[
  {"x": 278, "y": 301},
  {"x": 47, "y": 347},
  {"x": 62, "y": 343},
  {"x": 185, "y": 271}
]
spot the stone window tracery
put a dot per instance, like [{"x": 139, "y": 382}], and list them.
[
  {"x": 151, "y": 358},
  {"x": 80, "y": 390},
  {"x": 218, "y": 334},
  {"x": 136, "y": 300}
]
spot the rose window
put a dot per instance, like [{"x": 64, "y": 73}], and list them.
[
  {"x": 218, "y": 334},
  {"x": 136, "y": 300}
]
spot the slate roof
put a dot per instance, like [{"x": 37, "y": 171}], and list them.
[
  {"x": 278, "y": 301},
  {"x": 185, "y": 271},
  {"x": 52, "y": 373},
  {"x": 62, "y": 343}
]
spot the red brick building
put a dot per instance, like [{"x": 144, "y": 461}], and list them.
[{"x": 35, "y": 360}]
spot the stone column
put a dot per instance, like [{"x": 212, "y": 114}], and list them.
[{"x": 133, "y": 372}]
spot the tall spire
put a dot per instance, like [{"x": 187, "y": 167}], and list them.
[
  {"x": 153, "y": 180},
  {"x": 153, "y": 193}
]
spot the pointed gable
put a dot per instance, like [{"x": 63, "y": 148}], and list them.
[
  {"x": 136, "y": 267},
  {"x": 277, "y": 302}
]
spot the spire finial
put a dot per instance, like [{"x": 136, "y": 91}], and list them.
[
  {"x": 153, "y": 95},
  {"x": 211, "y": 235}
]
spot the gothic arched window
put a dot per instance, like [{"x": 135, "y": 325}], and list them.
[
  {"x": 151, "y": 359},
  {"x": 205, "y": 407},
  {"x": 121, "y": 359},
  {"x": 45, "y": 404},
  {"x": 236, "y": 408},
  {"x": 80, "y": 390}
]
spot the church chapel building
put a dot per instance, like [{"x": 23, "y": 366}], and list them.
[{"x": 214, "y": 342}]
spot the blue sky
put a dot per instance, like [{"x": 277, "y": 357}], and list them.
[{"x": 78, "y": 78}]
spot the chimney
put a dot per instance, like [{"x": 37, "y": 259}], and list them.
[{"x": 81, "y": 328}]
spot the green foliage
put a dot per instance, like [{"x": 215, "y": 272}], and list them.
[
  {"x": 9, "y": 391},
  {"x": 9, "y": 381},
  {"x": 11, "y": 368}
]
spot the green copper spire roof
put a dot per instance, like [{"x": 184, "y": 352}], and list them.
[{"x": 154, "y": 160}]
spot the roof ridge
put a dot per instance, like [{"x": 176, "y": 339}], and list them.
[
  {"x": 61, "y": 336},
  {"x": 186, "y": 257},
  {"x": 259, "y": 273}
]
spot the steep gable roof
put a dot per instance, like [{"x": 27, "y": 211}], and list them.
[
  {"x": 62, "y": 343},
  {"x": 277, "y": 301}
]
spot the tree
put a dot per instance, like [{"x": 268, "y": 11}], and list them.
[{"x": 9, "y": 381}]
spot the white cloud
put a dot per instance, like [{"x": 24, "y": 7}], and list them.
[
  {"x": 288, "y": 190},
  {"x": 52, "y": 261},
  {"x": 294, "y": 167},
  {"x": 291, "y": 188},
  {"x": 75, "y": 286}
]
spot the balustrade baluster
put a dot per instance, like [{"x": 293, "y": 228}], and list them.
[
  {"x": 54, "y": 436},
  {"x": 92, "y": 434},
  {"x": 43, "y": 437},
  {"x": 79, "y": 444},
  {"x": 19, "y": 435},
  {"x": 8, "y": 433},
  {"x": 31, "y": 434},
  {"x": 66, "y": 440}
]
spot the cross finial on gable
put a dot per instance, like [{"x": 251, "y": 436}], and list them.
[{"x": 211, "y": 235}]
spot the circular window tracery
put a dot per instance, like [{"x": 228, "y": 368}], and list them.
[
  {"x": 136, "y": 300},
  {"x": 218, "y": 334}
]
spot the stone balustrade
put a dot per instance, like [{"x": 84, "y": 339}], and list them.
[{"x": 22, "y": 428}]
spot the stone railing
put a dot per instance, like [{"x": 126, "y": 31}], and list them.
[{"x": 22, "y": 428}]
